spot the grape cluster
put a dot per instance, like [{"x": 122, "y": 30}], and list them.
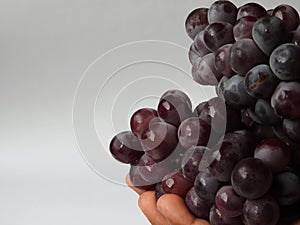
[{"x": 235, "y": 158}]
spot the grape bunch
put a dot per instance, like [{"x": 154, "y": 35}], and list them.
[{"x": 234, "y": 158}]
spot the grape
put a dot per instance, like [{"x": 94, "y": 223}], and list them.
[
  {"x": 204, "y": 72},
  {"x": 160, "y": 140},
  {"x": 125, "y": 147},
  {"x": 253, "y": 116},
  {"x": 263, "y": 131},
  {"x": 199, "y": 44},
  {"x": 288, "y": 15},
  {"x": 193, "y": 131},
  {"x": 286, "y": 99},
  {"x": 159, "y": 191},
  {"x": 176, "y": 183},
  {"x": 206, "y": 185},
  {"x": 284, "y": 62},
  {"x": 140, "y": 120},
  {"x": 137, "y": 180},
  {"x": 228, "y": 202},
  {"x": 260, "y": 82},
  {"x": 218, "y": 34},
  {"x": 198, "y": 109},
  {"x": 193, "y": 54},
  {"x": 220, "y": 87},
  {"x": 174, "y": 107},
  {"x": 295, "y": 37},
  {"x": 222, "y": 11},
  {"x": 243, "y": 27},
  {"x": 292, "y": 129},
  {"x": 246, "y": 119},
  {"x": 221, "y": 62},
  {"x": 286, "y": 188},
  {"x": 235, "y": 93},
  {"x": 261, "y": 211},
  {"x": 190, "y": 161},
  {"x": 218, "y": 218},
  {"x": 274, "y": 153},
  {"x": 245, "y": 55},
  {"x": 270, "y": 12},
  {"x": 251, "y": 178},
  {"x": 251, "y": 9},
  {"x": 196, "y": 22},
  {"x": 198, "y": 207},
  {"x": 266, "y": 113},
  {"x": 268, "y": 33}
]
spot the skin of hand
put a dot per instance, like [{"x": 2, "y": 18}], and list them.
[{"x": 170, "y": 209}]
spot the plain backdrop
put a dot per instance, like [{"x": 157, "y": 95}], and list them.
[{"x": 46, "y": 48}]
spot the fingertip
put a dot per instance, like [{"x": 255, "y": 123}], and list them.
[{"x": 129, "y": 184}]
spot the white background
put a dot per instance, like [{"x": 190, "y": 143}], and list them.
[{"x": 45, "y": 47}]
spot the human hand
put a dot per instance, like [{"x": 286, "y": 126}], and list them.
[{"x": 170, "y": 209}]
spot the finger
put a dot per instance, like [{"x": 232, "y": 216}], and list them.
[
  {"x": 137, "y": 190},
  {"x": 147, "y": 203},
  {"x": 173, "y": 207}
]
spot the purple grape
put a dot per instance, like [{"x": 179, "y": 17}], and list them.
[
  {"x": 204, "y": 72},
  {"x": 235, "y": 93},
  {"x": 228, "y": 202},
  {"x": 268, "y": 33},
  {"x": 245, "y": 55},
  {"x": 218, "y": 218},
  {"x": 263, "y": 131},
  {"x": 193, "y": 131},
  {"x": 222, "y": 11},
  {"x": 222, "y": 60},
  {"x": 286, "y": 99},
  {"x": 218, "y": 34},
  {"x": 274, "y": 153},
  {"x": 200, "y": 47},
  {"x": 220, "y": 87},
  {"x": 206, "y": 185},
  {"x": 174, "y": 107},
  {"x": 251, "y": 178},
  {"x": 190, "y": 161},
  {"x": 198, "y": 109},
  {"x": 198, "y": 207},
  {"x": 159, "y": 190},
  {"x": 260, "y": 82},
  {"x": 284, "y": 62},
  {"x": 137, "y": 180},
  {"x": 176, "y": 183},
  {"x": 193, "y": 54},
  {"x": 265, "y": 112},
  {"x": 160, "y": 140},
  {"x": 251, "y": 9},
  {"x": 288, "y": 15},
  {"x": 140, "y": 120},
  {"x": 261, "y": 211},
  {"x": 292, "y": 129},
  {"x": 196, "y": 21},
  {"x": 125, "y": 147},
  {"x": 253, "y": 115},
  {"x": 243, "y": 28},
  {"x": 286, "y": 188}
]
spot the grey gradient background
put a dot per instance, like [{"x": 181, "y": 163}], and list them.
[{"x": 45, "y": 48}]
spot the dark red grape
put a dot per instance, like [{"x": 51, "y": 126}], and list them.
[
  {"x": 216, "y": 217},
  {"x": 243, "y": 27},
  {"x": 190, "y": 161},
  {"x": 196, "y": 21},
  {"x": 140, "y": 120},
  {"x": 193, "y": 54},
  {"x": 228, "y": 202},
  {"x": 222, "y": 60},
  {"x": 288, "y": 15},
  {"x": 206, "y": 185},
  {"x": 251, "y": 178},
  {"x": 263, "y": 131},
  {"x": 125, "y": 147},
  {"x": 268, "y": 33},
  {"x": 245, "y": 55},
  {"x": 286, "y": 99},
  {"x": 176, "y": 183},
  {"x": 160, "y": 140},
  {"x": 193, "y": 131},
  {"x": 274, "y": 153},
  {"x": 198, "y": 207},
  {"x": 260, "y": 82},
  {"x": 199, "y": 44},
  {"x": 261, "y": 211},
  {"x": 284, "y": 61},
  {"x": 251, "y": 9},
  {"x": 174, "y": 107},
  {"x": 222, "y": 11},
  {"x": 265, "y": 112},
  {"x": 218, "y": 34},
  {"x": 292, "y": 129},
  {"x": 137, "y": 180}
]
